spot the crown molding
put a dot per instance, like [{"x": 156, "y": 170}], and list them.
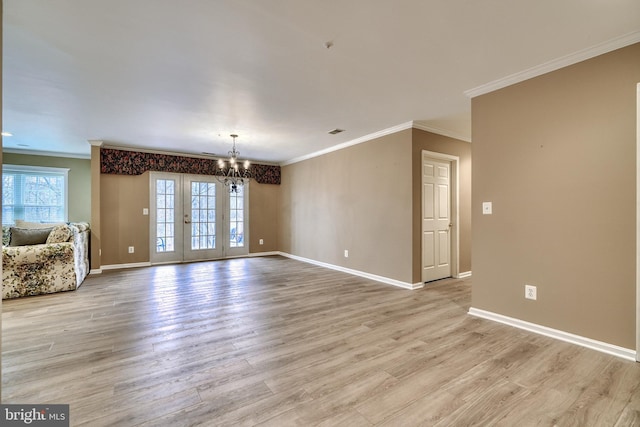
[
  {"x": 440, "y": 131},
  {"x": 366, "y": 138},
  {"x": 46, "y": 153},
  {"x": 369, "y": 137},
  {"x": 556, "y": 64}
]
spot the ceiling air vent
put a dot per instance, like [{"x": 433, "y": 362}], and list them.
[{"x": 335, "y": 131}]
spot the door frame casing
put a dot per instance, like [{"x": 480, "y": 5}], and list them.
[{"x": 455, "y": 203}]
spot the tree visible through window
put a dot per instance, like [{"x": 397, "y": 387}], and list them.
[{"x": 35, "y": 194}]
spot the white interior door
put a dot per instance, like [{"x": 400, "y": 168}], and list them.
[
  {"x": 436, "y": 219},
  {"x": 195, "y": 217}
]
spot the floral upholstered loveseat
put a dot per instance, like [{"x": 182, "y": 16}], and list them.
[{"x": 30, "y": 267}]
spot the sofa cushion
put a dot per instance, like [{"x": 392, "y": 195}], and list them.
[
  {"x": 28, "y": 236},
  {"x": 26, "y": 224},
  {"x": 60, "y": 234}
]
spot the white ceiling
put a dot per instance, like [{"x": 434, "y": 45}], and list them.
[{"x": 181, "y": 75}]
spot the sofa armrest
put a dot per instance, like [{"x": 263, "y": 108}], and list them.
[
  {"x": 37, "y": 269},
  {"x": 81, "y": 237},
  {"x": 32, "y": 254}
]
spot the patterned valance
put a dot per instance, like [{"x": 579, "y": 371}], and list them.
[{"x": 122, "y": 162}]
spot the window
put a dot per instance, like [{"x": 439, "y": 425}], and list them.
[{"x": 33, "y": 193}]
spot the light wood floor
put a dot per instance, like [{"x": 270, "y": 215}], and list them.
[{"x": 277, "y": 342}]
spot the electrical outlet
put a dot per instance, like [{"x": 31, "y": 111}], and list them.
[
  {"x": 262, "y": 241},
  {"x": 346, "y": 253},
  {"x": 131, "y": 249},
  {"x": 530, "y": 292}
]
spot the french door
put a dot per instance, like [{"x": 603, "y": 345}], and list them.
[{"x": 195, "y": 217}]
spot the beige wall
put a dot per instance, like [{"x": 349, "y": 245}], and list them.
[
  {"x": 557, "y": 157},
  {"x": 441, "y": 144},
  {"x": 79, "y": 179},
  {"x": 264, "y": 200},
  {"x": 122, "y": 199},
  {"x": 358, "y": 199}
]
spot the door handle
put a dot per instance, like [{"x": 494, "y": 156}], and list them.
[{"x": 186, "y": 221}]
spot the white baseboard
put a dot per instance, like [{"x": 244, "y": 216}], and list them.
[
  {"x": 603, "y": 347},
  {"x": 366, "y": 275},
  {"x": 464, "y": 275},
  {"x": 149, "y": 264},
  {"x": 130, "y": 265},
  {"x": 272, "y": 253}
]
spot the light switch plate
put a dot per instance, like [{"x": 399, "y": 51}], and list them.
[{"x": 487, "y": 208}]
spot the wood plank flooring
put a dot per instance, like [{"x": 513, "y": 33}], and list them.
[{"x": 276, "y": 342}]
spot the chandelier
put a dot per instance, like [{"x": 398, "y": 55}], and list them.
[{"x": 229, "y": 172}]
